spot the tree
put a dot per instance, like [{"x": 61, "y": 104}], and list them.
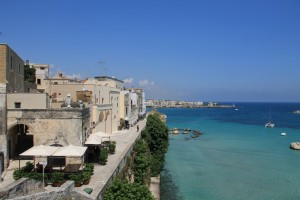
[
  {"x": 141, "y": 168},
  {"x": 121, "y": 189},
  {"x": 156, "y": 135},
  {"x": 29, "y": 74}
]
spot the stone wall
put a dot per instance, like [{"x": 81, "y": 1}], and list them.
[
  {"x": 28, "y": 100},
  {"x": 20, "y": 187},
  {"x": 12, "y": 67},
  {"x": 3, "y": 122},
  {"x": 2, "y": 108},
  {"x": 27, "y": 189},
  {"x": 68, "y": 125},
  {"x": 3, "y": 63}
]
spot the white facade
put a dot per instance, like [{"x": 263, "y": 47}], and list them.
[{"x": 41, "y": 73}]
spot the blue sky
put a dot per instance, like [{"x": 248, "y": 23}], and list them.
[{"x": 194, "y": 50}]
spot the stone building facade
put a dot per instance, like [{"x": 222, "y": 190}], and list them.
[
  {"x": 11, "y": 80},
  {"x": 11, "y": 69}
]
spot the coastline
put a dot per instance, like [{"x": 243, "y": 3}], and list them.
[{"x": 204, "y": 106}]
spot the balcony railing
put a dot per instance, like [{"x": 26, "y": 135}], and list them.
[{"x": 104, "y": 106}]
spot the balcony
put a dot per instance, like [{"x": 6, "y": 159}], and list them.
[{"x": 104, "y": 106}]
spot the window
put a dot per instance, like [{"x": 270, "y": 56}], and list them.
[
  {"x": 55, "y": 83},
  {"x": 102, "y": 100},
  {"x": 17, "y": 104},
  {"x": 42, "y": 68},
  {"x": 19, "y": 68},
  {"x": 38, "y": 81}
]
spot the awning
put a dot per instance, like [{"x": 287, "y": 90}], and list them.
[
  {"x": 70, "y": 151},
  {"x": 94, "y": 138},
  {"x": 40, "y": 151}
]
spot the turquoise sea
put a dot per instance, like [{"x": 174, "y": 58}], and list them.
[{"x": 236, "y": 157}]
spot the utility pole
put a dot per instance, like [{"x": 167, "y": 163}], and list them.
[{"x": 104, "y": 68}]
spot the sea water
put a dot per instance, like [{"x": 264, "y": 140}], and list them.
[{"x": 236, "y": 157}]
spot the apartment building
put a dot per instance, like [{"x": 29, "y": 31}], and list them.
[{"x": 41, "y": 75}]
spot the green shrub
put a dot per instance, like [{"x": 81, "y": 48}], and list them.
[
  {"x": 89, "y": 167},
  {"x": 112, "y": 147},
  {"x": 18, "y": 173},
  {"x": 77, "y": 178},
  {"x": 124, "y": 190},
  {"x": 36, "y": 176},
  {"x": 103, "y": 156},
  {"x": 141, "y": 167},
  {"x": 28, "y": 167},
  {"x": 24, "y": 171},
  {"x": 57, "y": 177},
  {"x": 86, "y": 176}
]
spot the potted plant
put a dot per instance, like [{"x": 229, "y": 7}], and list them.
[
  {"x": 112, "y": 147},
  {"x": 35, "y": 176},
  {"x": 89, "y": 168},
  {"x": 57, "y": 179},
  {"x": 103, "y": 156},
  {"x": 77, "y": 178},
  {"x": 86, "y": 176},
  {"x": 18, "y": 173}
]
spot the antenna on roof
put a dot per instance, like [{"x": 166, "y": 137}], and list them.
[{"x": 104, "y": 68}]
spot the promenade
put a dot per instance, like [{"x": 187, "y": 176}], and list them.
[{"x": 102, "y": 173}]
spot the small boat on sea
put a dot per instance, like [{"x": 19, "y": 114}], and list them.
[
  {"x": 283, "y": 134},
  {"x": 269, "y": 125}
]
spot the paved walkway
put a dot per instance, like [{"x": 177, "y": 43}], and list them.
[{"x": 124, "y": 140}]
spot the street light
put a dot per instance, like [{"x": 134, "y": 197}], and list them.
[{"x": 44, "y": 165}]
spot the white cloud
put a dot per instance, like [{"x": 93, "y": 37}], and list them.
[
  {"x": 128, "y": 81},
  {"x": 145, "y": 83},
  {"x": 74, "y": 76}
]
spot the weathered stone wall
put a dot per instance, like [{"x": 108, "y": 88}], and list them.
[
  {"x": 28, "y": 100},
  {"x": 2, "y": 108},
  {"x": 28, "y": 189},
  {"x": 3, "y": 122},
  {"x": 12, "y": 67},
  {"x": 30, "y": 87},
  {"x": 3, "y": 63},
  {"x": 68, "y": 125},
  {"x": 20, "y": 188}
]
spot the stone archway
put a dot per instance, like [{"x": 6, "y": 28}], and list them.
[{"x": 18, "y": 140}]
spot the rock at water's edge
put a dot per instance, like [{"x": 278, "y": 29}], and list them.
[{"x": 295, "y": 145}]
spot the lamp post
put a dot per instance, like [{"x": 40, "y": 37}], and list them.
[{"x": 44, "y": 165}]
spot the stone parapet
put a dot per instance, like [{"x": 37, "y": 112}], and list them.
[
  {"x": 66, "y": 113},
  {"x": 20, "y": 188}
]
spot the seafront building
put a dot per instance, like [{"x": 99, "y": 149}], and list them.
[
  {"x": 58, "y": 110},
  {"x": 173, "y": 104}
]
